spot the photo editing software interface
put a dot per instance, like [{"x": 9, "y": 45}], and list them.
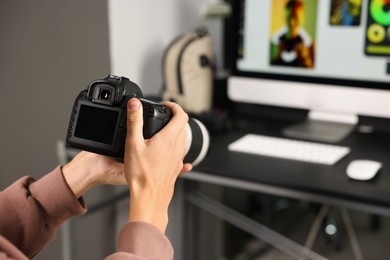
[{"x": 347, "y": 40}]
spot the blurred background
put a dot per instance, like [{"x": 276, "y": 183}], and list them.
[{"x": 49, "y": 52}]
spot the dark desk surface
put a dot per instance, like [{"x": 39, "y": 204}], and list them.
[{"x": 328, "y": 181}]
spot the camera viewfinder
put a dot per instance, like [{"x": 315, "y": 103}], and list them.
[{"x": 105, "y": 94}]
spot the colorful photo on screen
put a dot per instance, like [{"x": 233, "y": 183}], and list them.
[
  {"x": 345, "y": 12},
  {"x": 378, "y": 28},
  {"x": 293, "y": 31}
]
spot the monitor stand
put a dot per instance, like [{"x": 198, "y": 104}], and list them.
[{"x": 323, "y": 127}]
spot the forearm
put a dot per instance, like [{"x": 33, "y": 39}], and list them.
[
  {"x": 148, "y": 203},
  {"x": 144, "y": 207},
  {"x": 32, "y": 211}
]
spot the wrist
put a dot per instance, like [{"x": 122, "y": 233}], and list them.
[
  {"x": 78, "y": 175},
  {"x": 149, "y": 208}
]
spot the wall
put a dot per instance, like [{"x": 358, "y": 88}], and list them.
[
  {"x": 139, "y": 33},
  {"x": 49, "y": 51}
]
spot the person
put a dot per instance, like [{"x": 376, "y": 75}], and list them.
[
  {"x": 346, "y": 12},
  {"x": 292, "y": 45},
  {"x": 31, "y": 211}
]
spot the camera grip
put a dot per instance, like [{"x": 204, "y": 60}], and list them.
[{"x": 156, "y": 116}]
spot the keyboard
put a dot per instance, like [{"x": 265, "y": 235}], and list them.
[{"x": 284, "y": 148}]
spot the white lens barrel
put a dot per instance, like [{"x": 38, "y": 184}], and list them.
[{"x": 197, "y": 141}]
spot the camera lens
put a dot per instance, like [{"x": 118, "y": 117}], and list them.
[
  {"x": 105, "y": 94},
  {"x": 197, "y": 141}
]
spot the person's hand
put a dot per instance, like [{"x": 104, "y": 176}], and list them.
[
  {"x": 87, "y": 170},
  {"x": 152, "y": 166}
]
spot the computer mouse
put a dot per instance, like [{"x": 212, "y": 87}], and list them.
[{"x": 363, "y": 170}]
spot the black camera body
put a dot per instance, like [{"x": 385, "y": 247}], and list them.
[{"x": 98, "y": 119}]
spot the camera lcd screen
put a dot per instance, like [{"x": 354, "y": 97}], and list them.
[{"x": 96, "y": 124}]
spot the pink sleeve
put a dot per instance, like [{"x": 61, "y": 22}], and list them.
[
  {"x": 32, "y": 211},
  {"x": 140, "y": 240}
]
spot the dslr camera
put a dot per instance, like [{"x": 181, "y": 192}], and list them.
[{"x": 98, "y": 120}]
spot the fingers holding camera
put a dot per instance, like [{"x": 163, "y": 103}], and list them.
[
  {"x": 176, "y": 131},
  {"x": 134, "y": 120},
  {"x": 179, "y": 119},
  {"x": 153, "y": 165},
  {"x": 186, "y": 168}
]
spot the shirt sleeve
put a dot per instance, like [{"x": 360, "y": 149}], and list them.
[
  {"x": 139, "y": 240},
  {"x": 32, "y": 211}
]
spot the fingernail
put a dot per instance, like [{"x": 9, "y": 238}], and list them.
[{"x": 133, "y": 104}]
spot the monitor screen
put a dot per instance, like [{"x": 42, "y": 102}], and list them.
[{"x": 331, "y": 56}]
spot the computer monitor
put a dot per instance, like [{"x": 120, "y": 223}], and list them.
[{"x": 330, "y": 57}]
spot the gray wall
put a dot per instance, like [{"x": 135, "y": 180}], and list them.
[{"x": 49, "y": 51}]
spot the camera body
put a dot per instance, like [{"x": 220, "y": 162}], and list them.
[{"x": 98, "y": 119}]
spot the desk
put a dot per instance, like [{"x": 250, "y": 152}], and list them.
[
  {"x": 299, "y": 180},
  {"x": 315, "y": 182}
]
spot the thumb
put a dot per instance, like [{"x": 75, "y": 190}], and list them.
[{"x": 134, "y": 120}]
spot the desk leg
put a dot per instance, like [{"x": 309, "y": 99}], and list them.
[
  {"x": 175, "y": 228},
  {"x": 348, "y": 225},
  {"x": 252, "y": 227},
  {"x": 194, "y": 233},
  {"x": 351, "y": 234},
  {"x": 316, "y": 227},
  {"x": 208, "y": 230}
]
